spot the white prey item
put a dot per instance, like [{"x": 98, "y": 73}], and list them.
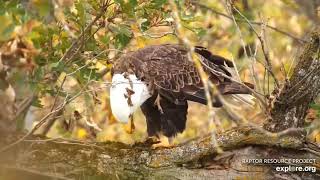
[{"x": 119, "y": 96}]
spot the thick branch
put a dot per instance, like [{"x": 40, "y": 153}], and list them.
[
  {"x": 294, "y": 99},
  {"x": 73, "y": 159}
]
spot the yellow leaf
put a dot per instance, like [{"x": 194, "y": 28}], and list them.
[
  {"x": 55, "y": 40},
  {"x": 81, "y": 133},
  {"x": 315, "y": 136},
  {"x": 140, "y": 42},
  {"x": 64, "y": 34},
  {"x": 6, "y": 28},
  {"x": 27, "y": 27},
  {"x": 290, "y": 3}
]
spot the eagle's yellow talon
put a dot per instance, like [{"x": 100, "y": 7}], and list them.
[{"x": 164, "y": 144}]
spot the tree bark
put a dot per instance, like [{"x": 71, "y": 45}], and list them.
[
  {"x": 197, "y": 159},
  {"x": 294, "y": 99},
  {"x": 7, "y": 98}
]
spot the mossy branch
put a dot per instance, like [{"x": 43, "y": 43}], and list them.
[{"x": 111, "y": 159}]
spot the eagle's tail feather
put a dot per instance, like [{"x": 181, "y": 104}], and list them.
[{"x": 245, "y": 98}]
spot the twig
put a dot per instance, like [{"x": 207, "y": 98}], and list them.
[
  {"x": 24, "y": 105},
  {"x": 263, "y": 46},
  {"x": 208, "y": 86},
  {"x": 40, "y": 123},
  {"x": 45, "y": 118},
  {"x": 262, "y": 103},
  {"x": 252, "y": 22},
  {"x": 158, "y": 36},
  {"x": 87, "y": 28},
  {"x": 317, "y": 153},
  {"x": 81, "y": 39}
]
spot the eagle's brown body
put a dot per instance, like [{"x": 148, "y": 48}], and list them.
[{"x": 169, "y": 74}]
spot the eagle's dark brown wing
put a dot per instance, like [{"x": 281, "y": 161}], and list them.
[{"x": 167, "y": 70}]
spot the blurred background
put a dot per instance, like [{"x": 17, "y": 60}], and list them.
[{"x": 58, "y": 55}]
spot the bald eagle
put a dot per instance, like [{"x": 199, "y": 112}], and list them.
[{"x": 160, "y": 79}]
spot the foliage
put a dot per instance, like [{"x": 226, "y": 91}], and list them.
[{"x": 316, "y": 107}]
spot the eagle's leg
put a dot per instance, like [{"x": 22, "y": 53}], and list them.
[
  {"x": 166, "y": 142},
  {"x": 129, "y": 127},
  {"x": 157, "y": 102}
]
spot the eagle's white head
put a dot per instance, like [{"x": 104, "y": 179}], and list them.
[{"x": 127, "y": 93}]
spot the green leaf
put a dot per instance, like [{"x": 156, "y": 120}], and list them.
[
  {"x": 145, "y": 25},
  {"x": 122, "y": 40},
  {"x": 44, "y": 7},
  {"x": 200, "y": 32},
  {"x": 6, "y": 28},
  {"x": 291, "y": 3},
  {"x": 124, "y": 29},
  {"x": 315, "y": 106},
  {"x": 105, "y": 39},
  {"x": 37, "y": 103},
  {"x": 41, "y": 61},
  {"x": 187, "y": 17},
  {"x": 156, "y": 4},
  {"x": 128, "y": 6},
  {"x": 81, "y": 13},
  {"x": 90, "y": 45},
  {"x": 57, "y": 67},
  {"x": 123, "y": 35}
]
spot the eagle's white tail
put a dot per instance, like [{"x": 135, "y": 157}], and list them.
[
  {"x": 244, "y": 98},
  {"x": 248, "y": 99},
  {"x": 239, "y": 101}
]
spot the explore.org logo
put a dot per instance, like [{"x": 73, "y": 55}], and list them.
[
  {"x": 296, "y": 169},
  {"x": 285, "y": 164}
]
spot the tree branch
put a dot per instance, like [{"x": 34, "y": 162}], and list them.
[
  {"x": 111, "y": 159},
  {"x": 294, "y": 98},
  {"x": 252, "y": 22}
]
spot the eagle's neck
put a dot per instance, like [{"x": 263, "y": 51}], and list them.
[{"x": 127, "y": 93}]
